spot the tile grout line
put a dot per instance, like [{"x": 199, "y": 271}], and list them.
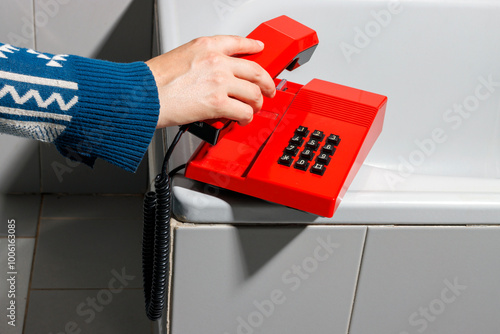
[
  {"x": 35, "y": 47},
  {"x": 32, "y": 264},
  {"x": 357, "y": 281}
]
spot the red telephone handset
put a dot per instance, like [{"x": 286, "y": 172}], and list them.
[
  {"x": 304, "y": 147},
  {"x": 288, "y": 44}
]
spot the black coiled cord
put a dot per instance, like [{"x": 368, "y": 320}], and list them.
[{"x": 156, "y": 238}]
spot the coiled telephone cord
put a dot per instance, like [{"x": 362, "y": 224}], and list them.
[{"x": 156, "y": 237}]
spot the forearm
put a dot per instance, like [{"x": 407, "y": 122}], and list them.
[
  {"x": 88, "y": 108},
  {"x": 95, "y": 109}
]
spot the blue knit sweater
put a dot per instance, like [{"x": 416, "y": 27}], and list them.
[{"x": 88, "y": 108}]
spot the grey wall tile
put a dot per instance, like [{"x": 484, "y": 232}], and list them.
[
  {"x": 81, "y": 253},
  {"x": 429, "y": 280},
  {"x": 24, "y": 258},
  {"x": 24, "y": 209},
  {"x": 89, "y": 206},
  {"x": 16, "y": 25},
  {"x": 59, "y": 175},
  {"x": 264, "y": 279},
  {"x": 69, "y": 311},
  {"x": 118, "y": 30},
  {"x": 19, "y": 165}
]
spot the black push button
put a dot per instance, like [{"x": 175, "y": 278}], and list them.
[
  {"x": 297, "y": 140},
  {"x": 323, "y": 159},
  {"x": 307, "y": 154},
  {"x": 318, "y": 169},
  {"x": 302, "y": 131},
  {"x": 333, "y": 139},
  {"x": 291, "y": 150},
  {"x": 318, "y": 135},
  {"x": 285, "y": 160},
  {"x": 312, "y": 144},
  {"x": 328, "y": 149},
  {"x": 301, "y": 164}
]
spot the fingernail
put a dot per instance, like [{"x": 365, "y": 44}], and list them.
[{"x": 260, "y": 43}]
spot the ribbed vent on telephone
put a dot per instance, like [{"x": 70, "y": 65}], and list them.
[{"x": 336, "y": 108}]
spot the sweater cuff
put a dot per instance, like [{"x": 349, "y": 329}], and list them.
[{"x": 117, "y": 113}]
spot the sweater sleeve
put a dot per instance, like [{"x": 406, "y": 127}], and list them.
[{"x": 88, "y": 108}]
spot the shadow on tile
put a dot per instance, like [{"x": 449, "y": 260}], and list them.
[
  {"x": 57, "y": 176},
  {"x": 20, "y": 164},
  {"x": 24, "y": 209}
]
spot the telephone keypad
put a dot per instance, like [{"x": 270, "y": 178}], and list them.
[{"x": 308, "y": 155}]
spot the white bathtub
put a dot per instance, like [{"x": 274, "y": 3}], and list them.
[{"x": 438, "y": 157}]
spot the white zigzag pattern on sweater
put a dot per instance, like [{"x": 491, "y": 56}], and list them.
[
  {"x": 32, "y": 93},
  {"x": 6, "y": 48},
  {"x": 52, "y": 60}
]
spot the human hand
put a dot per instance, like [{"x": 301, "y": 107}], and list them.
[{"x": 200, "y": 80}]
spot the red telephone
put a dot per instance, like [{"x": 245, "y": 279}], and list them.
[{"x": 304, "y": 147}]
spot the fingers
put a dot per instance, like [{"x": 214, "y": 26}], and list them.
[
  {"x": 238, "y": 100},
  {"x": 252, "y": 72},
  {"x": 238, "y": 111},
  {"x": 236, "y": 45},
  {"x": 241, "y": 68},
  {"x": 246, "y": 92},
  {"x": 248, "y": 82}
]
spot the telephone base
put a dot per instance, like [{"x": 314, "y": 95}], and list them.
[{"x": 302, "y": 149}]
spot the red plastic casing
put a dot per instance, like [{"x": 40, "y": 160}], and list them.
[
  {"x": 246, "y": 158},
  {"x": 286, "y": 41}
]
